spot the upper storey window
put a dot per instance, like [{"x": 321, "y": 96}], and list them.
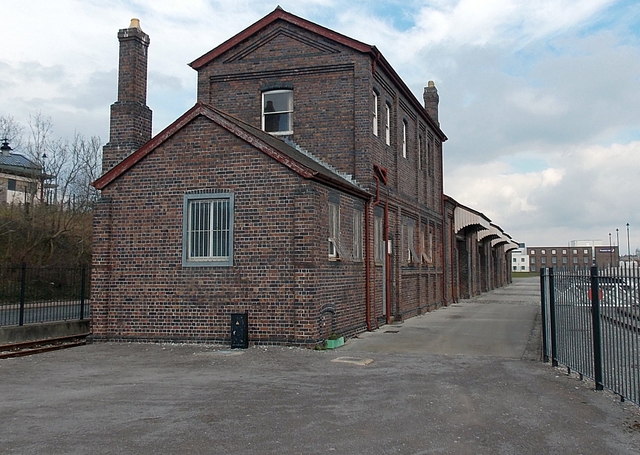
[
  {"x": 375, "y": 113},
  {"x": 277, "y": 111},
  {"x": 387, "y": 124}
]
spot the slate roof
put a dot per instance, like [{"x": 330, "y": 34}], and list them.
[
  {"x": 15, "y": 163},
  {"x": 288, "y": 153}
]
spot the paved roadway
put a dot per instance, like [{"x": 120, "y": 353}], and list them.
[{"x": 458, "y": 380}]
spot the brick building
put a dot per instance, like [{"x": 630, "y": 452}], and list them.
[
  {"x": 304, "y": 188},
  {"x": 573, "y": 256},
  {"x": 21, "y": 180}
]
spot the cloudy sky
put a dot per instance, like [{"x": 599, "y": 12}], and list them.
[{"x": 540, "y": 99}]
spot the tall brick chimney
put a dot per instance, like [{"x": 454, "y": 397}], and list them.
[
  {"x": 431, "y": 100},
  {"x": 130, "y": 125}
]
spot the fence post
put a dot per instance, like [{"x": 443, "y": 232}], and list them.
[
  {"x": 552, "y": 319},
  {"x": 543, "y": 298},
  {"x": 83, "y": 272},
  {"x": 595, "y": 321},
  {"x": 23, "y": 276}
]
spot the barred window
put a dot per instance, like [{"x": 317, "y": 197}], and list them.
[{"x": 208, "y": 229}]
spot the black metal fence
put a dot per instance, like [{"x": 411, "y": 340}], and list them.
[
  {"x": 591, "y": 324},
  {"x": 31, "y": 295}
]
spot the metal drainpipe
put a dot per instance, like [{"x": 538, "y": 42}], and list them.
[
  {"x": 367, "y": 266},
  {"x": 376, "y": 202},
  {"x": 387, "y": 259}
]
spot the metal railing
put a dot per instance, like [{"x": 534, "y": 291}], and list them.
[
  {"x": 30, "y": 295},
  {"x": 591, "y": 324}
]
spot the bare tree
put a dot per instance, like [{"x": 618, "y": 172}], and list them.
[
  {"x": 62, "y": 219},
  {"x": 11, "y": 130}
]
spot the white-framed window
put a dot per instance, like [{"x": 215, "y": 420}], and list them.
[
  {"x": 207, "y": 229},
  {"x": 387, "y": 124},
  {"x": 553, "y": 251},
  {"x": 543, "y": 252},
  {"x": 532, "y": 252},
  {"x": 585, "y": 251},
  {"x": 277, "y": 112},
  {"x": 334, "y": 230},
  {"x": 409, "y": 242},
  {"x": 427, "y": 250},
  {"x": 575, "y": 251},
  {"x": 375, "y": 113},
  {"x": 404, "y": 138},
  {"x": 378, "y": 240},
  {"x": 356, "y": 251}
]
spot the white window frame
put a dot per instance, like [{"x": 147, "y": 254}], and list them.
[
  {"x": 288, "y": 112},
  {"x": 375, "y": 114},
  {"x": 356, "y": 252},
  {"x": 412, "y": 256},
  {"x": 387, "y": 124},
  {"x": 212, "y": 239},
  {"x": 404, "y": 139},
  {"x": 378, "y": 240},
  {"x": 334, "y": 231}
]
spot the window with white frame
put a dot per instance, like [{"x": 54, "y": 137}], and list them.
[
  {"x": 334, "y": 230},
  {"x": 375, "y": 113},
  {"x": 356, "y": 251},
  {"x": 427, "y": 250},
  {"x": 208, "y": 229},
  {"x": 404, "y": 138},
  {"x": 277, "y": 112},
  {"x": 378, "y": 240},
  {"x": 387, "y": 124},
  {"x": 409, "y": 242}
]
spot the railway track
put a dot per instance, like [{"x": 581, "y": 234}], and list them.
[{"x": 38, "y": 346}]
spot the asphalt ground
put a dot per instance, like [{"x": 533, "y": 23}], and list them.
[{"x": 435, "y": 384}]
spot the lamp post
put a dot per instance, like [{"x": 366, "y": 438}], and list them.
[
  {"x": 628, "y": 245},
  {"x": 42, "y": 177},
  {"x": 610, "y": 252}
]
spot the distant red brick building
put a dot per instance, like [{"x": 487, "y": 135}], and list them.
[{"x": 304, "y": 188}]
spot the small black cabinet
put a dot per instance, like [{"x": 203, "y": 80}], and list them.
[{"x": 240, "y": 330}]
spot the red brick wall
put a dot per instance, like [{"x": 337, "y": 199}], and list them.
[{"x": 281, "y": 273}]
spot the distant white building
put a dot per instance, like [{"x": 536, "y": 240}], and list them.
[{"x": 520, "y": 259}]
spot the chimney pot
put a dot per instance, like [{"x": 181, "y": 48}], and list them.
[{"x": 135, "y": 23}]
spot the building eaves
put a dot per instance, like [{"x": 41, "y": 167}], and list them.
[
  {"x": 377, "y": 59},
  {"x": 303, "y": 163}
]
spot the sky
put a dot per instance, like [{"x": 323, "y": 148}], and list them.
[{"x": 540, "y": 99}]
